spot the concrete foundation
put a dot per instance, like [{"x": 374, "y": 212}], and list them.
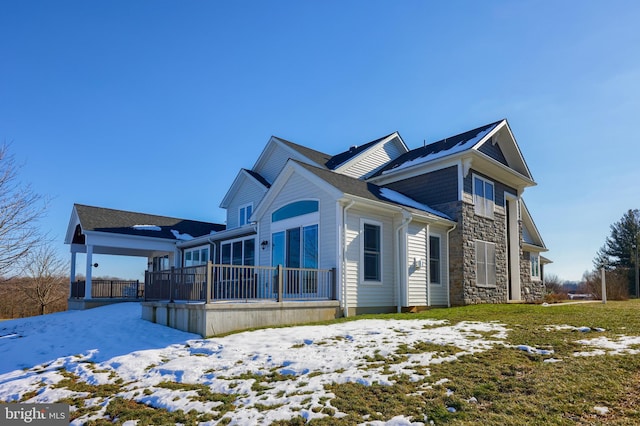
[{"x": 219, "y": 318}]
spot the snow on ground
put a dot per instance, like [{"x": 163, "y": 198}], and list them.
[{"x": 112, "y": 344}]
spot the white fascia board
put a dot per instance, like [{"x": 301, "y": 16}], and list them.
[
  {"x": 241, "y": 177},
  {"x": 297, "y": 155},
  {"x": 518, "y": 152},
  {"x": 232, "y": 189},
  {"x": 289, "y": 169},
  {"x": 219, "y": 236},
  {"x": 276, "y": 141},
  {"x": 533, "y": 248},
  {"x": 265, "y": 152},
  {"x": 74, "y": 221},
  {"x": 493, "y": 168},
  {"x": 417, "y": 170},
  {"x": 388, "y": 207},
  {"x": 372, "y": 148},
  {"x": 527, "y": 221},
  {"x": 124, "y": 241}
]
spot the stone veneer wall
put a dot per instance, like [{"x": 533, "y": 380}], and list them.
[
  {"x": 462, "y": 266},
  {"x": 532, "y": 291}
]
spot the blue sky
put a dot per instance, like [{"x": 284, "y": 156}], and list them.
[{"x": 154, "y": 106}]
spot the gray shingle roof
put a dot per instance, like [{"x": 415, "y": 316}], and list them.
[
  {"x": 451, "y": 144},
  {"x": 124, "y": 222},
  {"x": 345, "y": 156},
  {"x": 313, "y": 155},
  {"x": 366, "y": 190}
]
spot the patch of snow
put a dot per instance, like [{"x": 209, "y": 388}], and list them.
[
  {"x": 111, "y": 343},
  {"x": 461, "y": 146},
  {"x": 451, "y": 409},
  {"x": 146, "y": 228},
  {"x": 534, "y": 351},
  {"x": 601, "y": 410},
  {"x": 552, "y": 360},
  {"x": 179, "y": 236},
  {"x": 614, "y": 347},
  {"x": 399, "y": 198},
  {"x": 396, "y": 421}
]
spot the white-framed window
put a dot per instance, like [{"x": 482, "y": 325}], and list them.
[
  {"x": 485, "y": 263},
  {"x": 238, "y": 252},
  {"x": 196, "y": 256},
  {"x": 371, "y": 251},
  {"x": 483, "y": 196},
  {"x": 535, "y": 265},
  {"x": 244, "y": 213},
  {"x": 434, "y": 260}
]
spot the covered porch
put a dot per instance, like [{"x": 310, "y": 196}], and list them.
[{"x": 101, "y": 231}]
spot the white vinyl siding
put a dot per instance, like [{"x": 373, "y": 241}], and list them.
[
  {"x": 370, "y": 252},
  {"x": 485, "y": 264},
  {"x": 296, "y": 189},
  {"x": 369, "y": 295},
  {"x": 244, "y": 213},
  {"x": 369, "y": 161},
  {"x": 250, "y": 193},
  {"x": 417, "y": 264},
  {"x": 439, "y": 291}
]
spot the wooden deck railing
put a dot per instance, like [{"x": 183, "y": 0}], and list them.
[
  {"x": 214, "y": 282},
  {"x": 108, "y": 289}
]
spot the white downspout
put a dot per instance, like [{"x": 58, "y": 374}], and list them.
[
  {"x": 406, "y": 218},
  {"x": 448, "y": 269},
  {"x": 343, "y": 284},
  {"x": 427, "y": 263}
]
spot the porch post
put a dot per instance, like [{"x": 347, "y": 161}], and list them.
[
  {"x": 72, "y": 275},
  {"x": 87, "y": 288}
]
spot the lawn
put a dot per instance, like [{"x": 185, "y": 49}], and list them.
[{"x": 486, "y": 364}]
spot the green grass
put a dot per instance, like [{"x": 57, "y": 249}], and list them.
[
  {"x": 503, "y": 385},
  {"x": 507, "y": 386}
]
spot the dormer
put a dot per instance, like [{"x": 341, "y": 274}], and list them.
[
  {"x": 363, "y": 161},
  {"x": 245, "y": 193},
  {"x": 278, "y": 151}
]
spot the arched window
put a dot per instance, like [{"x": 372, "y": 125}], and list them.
[{"x": 297, "y": 208}]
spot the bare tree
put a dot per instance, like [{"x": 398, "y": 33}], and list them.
[
  {"x": 46, "y": 277},
  {"x": 20, "y": 209}
]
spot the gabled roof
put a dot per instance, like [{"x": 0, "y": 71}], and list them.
[
  {"x": 448, "y": 146},
  {"x": 258, "y": 177},
  {"x": 100, "y": 219},
  {"x": 530, "y": 235},
  {"x": 369, "y": 191},
  {"x": 345, "y": 156},
  {"x": 235, "y": 186},
  {"x": 317, "y": 157}
]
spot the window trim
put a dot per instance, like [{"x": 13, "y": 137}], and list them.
[
  {"x": 286, "y": 212},
  {"x": 536, "y": 256},
  {"x": 243, "y": 240},
  {"x": 439, "y": 260},
  {"x": 243, "y": 217},
  {"x": 199, "y": 249},
  {"x": 363, "y": 280},
  {"x": 485, "y": 260},
  {"x": 486, "y": 208}
]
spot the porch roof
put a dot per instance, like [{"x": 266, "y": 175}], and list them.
[{"x": 112, "y": 231}]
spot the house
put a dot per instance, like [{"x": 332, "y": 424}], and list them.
[{"x": 401, "y": 229}]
